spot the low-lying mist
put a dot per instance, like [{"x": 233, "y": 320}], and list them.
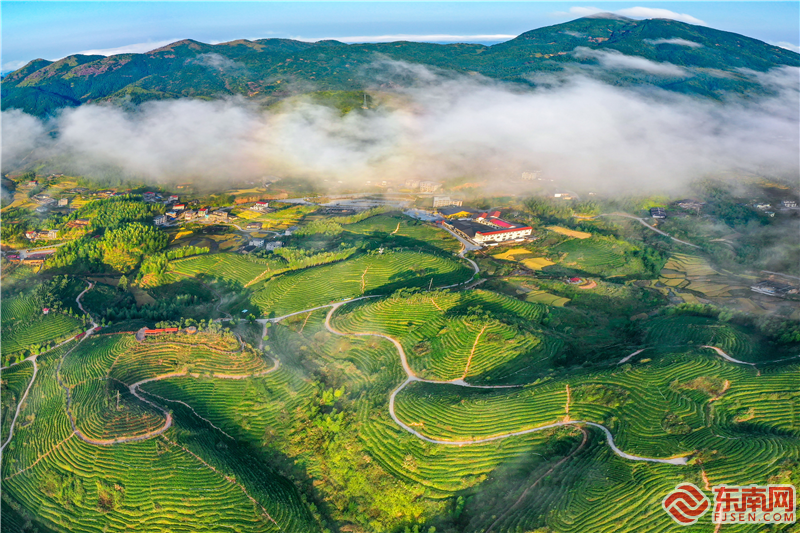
[{"x": 578, "y": 131}]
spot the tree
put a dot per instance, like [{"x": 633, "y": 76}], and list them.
[{"x": 123, "y": 283}]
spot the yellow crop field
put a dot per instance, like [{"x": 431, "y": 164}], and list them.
[
  {"x": 525, "y": 257},
  {"x": 514, "y": 254},
  {"x": 570, "y": 232},
  {"x": 537, "y": 263},
  {"x": 247, "y": 214},
  {"x": 181, "y": 234},
  {"x": 689, "y": 298}
]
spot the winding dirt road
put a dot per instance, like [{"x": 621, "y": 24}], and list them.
[
  {"x": 33, "y": 358},
  {"x": 642, "y": 221},
  {"x": 411, "y": 377}
]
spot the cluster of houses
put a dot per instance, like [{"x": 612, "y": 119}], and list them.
[
  {"x": 180, "y": 211},
  {"x": 423, "y": 185},
  {"x": 44, "y": 235},
  {"x": 771, "y": 287},
  {"x": 46, "y": 202},
  {"x": 445, "y": 201},
  {"x": 482, "y": 227}
]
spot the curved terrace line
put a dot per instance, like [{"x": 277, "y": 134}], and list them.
[{"x": 412, "y": 377}]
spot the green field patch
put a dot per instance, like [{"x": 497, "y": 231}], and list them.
[
  {"x": 364, "y": 275},
  {"x": 602, "y": 256},
  {"x": 403, "y": 226},
  {"x": 225, "y": 265},
  {"x": 546, "y": 298},
  {"x": 26, "y": 327},
  {"x": 475, "y": 336},
  {"x": 671, "y": 332}
]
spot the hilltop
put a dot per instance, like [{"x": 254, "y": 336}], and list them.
[{"x": 691, "y": 59}]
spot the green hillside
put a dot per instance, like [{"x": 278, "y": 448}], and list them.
[{"x": 267, "y": 69}]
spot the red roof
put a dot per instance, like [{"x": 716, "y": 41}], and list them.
[
  {"x": 502, "y": 223},
  {"x": 574, "y": 279},
  {"x": 494, "y": 214},
  {"x": 160, "y": 330}
]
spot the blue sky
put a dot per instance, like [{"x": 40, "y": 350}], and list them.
[{"x": 52, "y": 30}]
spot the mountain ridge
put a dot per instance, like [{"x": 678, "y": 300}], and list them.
[{"x": 714, "y": 63}]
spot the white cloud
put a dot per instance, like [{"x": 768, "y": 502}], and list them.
[
  {"x": 680, "y": 42},
  {"x": 136, "y": 48},
  {"x": 636, "y": 13},
  {"x": 582, "y": 132},
  {"x": 611, "y": 59},
  {"x": 433, "y": 38},
  {"x": 789, "y": 46},
  {"x": 10, "y": 66}
]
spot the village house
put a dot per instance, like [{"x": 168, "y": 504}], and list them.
[
  {"x": 456, "y": 212},
  {"x": 44, "y": 235},
  {"x": 690, "y": 205},
  {"x": 444, "y": 201},
  {"x": 273, "y": 245},
  {"x": 773, "y": 288},
  {"x": 429, "y": 186},
  {"x": 179, "y": 207},
  {"x": 531, "y": 176},
  {"x": 218, "y": 215},
  {"x": 484, "y": 232},
  {"x": 173, "y": 198},
  {"x": 63, "y": 202},
  {"x": 253, "y": 225},
  {"x": 79, "y": 223},
  {"x": 658, "y": 212},
  {"x": 256, "y": 242},
  {"x": 789, "y": 203},
  {"x": 411, "y": 184},
  {"x": 160, "y": 220},
  {"x": 260, "y": 206},
  {"x": 43, "y": 199}
]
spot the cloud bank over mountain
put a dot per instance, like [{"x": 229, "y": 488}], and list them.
[{"x": 577, "y": 130}]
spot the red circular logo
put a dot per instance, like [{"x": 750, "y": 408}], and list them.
[{"x": 686, "y": 504}]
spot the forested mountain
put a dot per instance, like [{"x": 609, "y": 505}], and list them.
[{"x": 694, "y": 59}]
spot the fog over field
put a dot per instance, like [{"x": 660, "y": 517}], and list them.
[{"x": 574, "y": 128}]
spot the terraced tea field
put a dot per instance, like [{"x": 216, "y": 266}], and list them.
[
  {"x": 25, "y": 326},
  {"x": 444, "y": 346},
  {"x": 364, "y": 275},
  {"x": 684, "y": 330},
  {"x": 52, "y": 475},
  {"x": 417, "y": 410},
  {"x": 403, "y": 226},
  {"x": 225, "y": 265},
  {"x": 601, "y": 256}
]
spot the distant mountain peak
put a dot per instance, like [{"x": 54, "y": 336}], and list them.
[
  {"x": 607, "y": 15},
  {"x": 269, "y": 69}
]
